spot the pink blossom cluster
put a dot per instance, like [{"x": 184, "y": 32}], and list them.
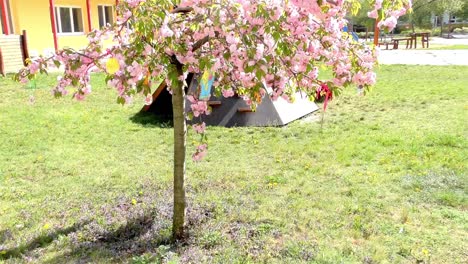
[
  {"x": 228, "y": 93},
  {"x": 200, "y": 152},
  {"x": 77, "y": 66},
  {"x": 134, "y": 3},
  {"x": 304, "y": 36},
  {"x": 364, "y": 78},
  {"x": 77, "y": 72},
  {"x": 198, "y": 107},
  {"x": 33, "y": 67},
  {"x": 390, "y": 16},
  {"x": 199, "y": 128},
  {"x": 254, "y": 48}
]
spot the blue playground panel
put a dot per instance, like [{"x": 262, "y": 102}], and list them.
[{"x": 353, "y": 34}]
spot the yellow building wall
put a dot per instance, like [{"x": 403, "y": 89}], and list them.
[
  {"x": 34, "y": 17},
  {"x": 78, "y": 40},
  {"x": 94, "y": 10},
  {"x": 95, "y": 16}
]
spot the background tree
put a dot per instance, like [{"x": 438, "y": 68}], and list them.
[
  {"x": 424, "y": 10},
  {"x": 463, "y": 12},
  {"x": 449, "y": 7},
  {"x": 421, "y": 14},
  {"x": 255, "y": 48},
  {"x": 361, "y": 18}
]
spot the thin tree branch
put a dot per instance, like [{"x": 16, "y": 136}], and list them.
[
  {"x": 200, "y": 43},
  {"x": 183, "y": 10}
]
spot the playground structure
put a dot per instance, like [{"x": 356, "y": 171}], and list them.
[
  {"x": 13, "y": 52},
  {"x": 233, "y": 111},
  {"x": 352, "y": 33}
]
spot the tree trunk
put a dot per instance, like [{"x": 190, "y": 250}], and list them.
[
  {"x": 376, "y": 32},
  {"x": 441, "y": 27},
  {"x": 448, "y": 26},
  {"x": 180, "y": 135}
]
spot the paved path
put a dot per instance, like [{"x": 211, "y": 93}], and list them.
[
  {"x": 457, "y": 39},
  {"x": 424, "y": 57},
  {"x": 429, "y": 57}
]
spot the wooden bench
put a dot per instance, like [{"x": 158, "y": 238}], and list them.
[
  {"x": 453, "y": 26},
  {"x": 409, "y": 42},
  {"x": 424, "y": 39},
  {"x": 386, "y": 43}
]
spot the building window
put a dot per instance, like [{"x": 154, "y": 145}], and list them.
[
  {"x": 106, "y": 15},
  {"x": 69, "y": 20}
]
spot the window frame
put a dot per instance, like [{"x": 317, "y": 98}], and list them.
[
  {"x": 103, "y": 14},
  {"x": 58, "y": 21}
]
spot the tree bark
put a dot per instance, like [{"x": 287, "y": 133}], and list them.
[
  {"x": 180, "y": 135},
  {"x": 448, "y": 26},
  {"x": 441, "y": 26},
  {"x": 376, "y": 32},
  {"x": 441, "y": 29}
]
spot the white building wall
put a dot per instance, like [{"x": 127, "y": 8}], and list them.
[{"x": 445, "y": 19}]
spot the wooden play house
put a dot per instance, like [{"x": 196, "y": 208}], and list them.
[
  {"x": 13, "y": 52},
  {"x": 233, "y": 111}
]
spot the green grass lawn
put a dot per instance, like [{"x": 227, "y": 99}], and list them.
[
  {"x": 444, "y": 47},
  {"x": 382, "y": 180}
]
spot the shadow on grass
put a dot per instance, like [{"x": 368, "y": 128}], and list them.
[
  {"x": 39, "y": 242},
  {"x": 117, "y": 232},
  {"x": 90, "y": 241},
  {"x": 152, "y": 120},
  {"x": 138, "y": 235}
]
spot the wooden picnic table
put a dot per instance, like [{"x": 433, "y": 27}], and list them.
[
  {"x": 424, "y": 38},
  {"x": 386, "y": 43},
  {"x": 409, "y": 42}
]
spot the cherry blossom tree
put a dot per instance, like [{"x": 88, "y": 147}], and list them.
[{"x": 255, "y": 48}]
